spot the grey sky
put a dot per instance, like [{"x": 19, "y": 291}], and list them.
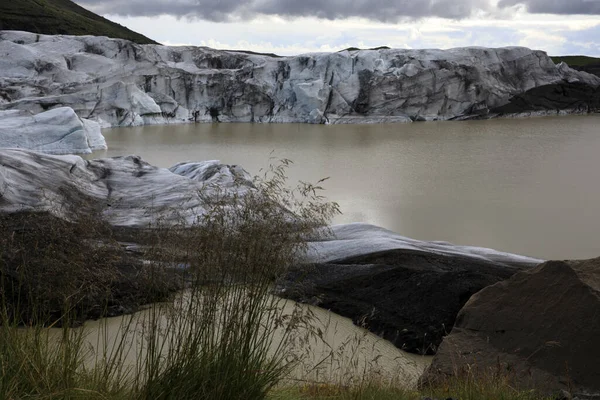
[
  {"x": 225, "y": 10},
  {"x": 591, "y": 7},
  {"x": 377, "y": 10},
  {"x": 300, "y": 26}
]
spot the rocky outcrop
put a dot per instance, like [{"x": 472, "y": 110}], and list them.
[
  {"x": 406, "y": 291},
  {"x": 58, "y": 131},
  {"x": 540, "y": 327},
  {"x": 556, "y": 99},
  {"x": 118, "y": 83},
  {"x": 593, "y": 69}
]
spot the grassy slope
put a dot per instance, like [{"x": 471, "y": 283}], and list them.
[
  {"x": 373, "y": 48},
  {"x": 576, "y": 61},
  {"x": 63, "y": 17},
  {"x": 582, "y": 63}
]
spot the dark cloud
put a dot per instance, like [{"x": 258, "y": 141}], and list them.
[
  {"x": 567, "y": 7},
  {"x": 223, "y": 10},
  {"x": 218, "y": 10},
  {"x": 379, "y": 10}
]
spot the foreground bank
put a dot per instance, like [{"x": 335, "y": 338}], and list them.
[
  {"x": 119, "y": 83},
  {"x": 410, "y": 292}
]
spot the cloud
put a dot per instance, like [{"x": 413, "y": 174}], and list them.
[
  {"x": 563, "y": 7},
  {"x": 554, "y": 34},
  {"x": 228, "y": 10},
  {"x": 204, "y": 9},
  {"x": 582, "y": 42},
  {"x": 376, "y": 10}
]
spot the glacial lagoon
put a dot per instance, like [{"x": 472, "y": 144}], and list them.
[{"x": 526, "y": 186}]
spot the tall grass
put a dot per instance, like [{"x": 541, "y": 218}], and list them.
[
  {"x": 221, "y": 333},
  {"x": 223, "y": 337},
  {"x": 52, "y": 274}
]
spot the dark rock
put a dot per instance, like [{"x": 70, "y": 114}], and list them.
[
  {"x": 50, "y": 268},
  {"x": 408, "y": 297},
  {"x": 541, "y": 327},
  {"x": 573, "y": 97},
  {"x": 590, "y": 68}
]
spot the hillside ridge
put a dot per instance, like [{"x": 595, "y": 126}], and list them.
[{"x": 61, "y": 17}]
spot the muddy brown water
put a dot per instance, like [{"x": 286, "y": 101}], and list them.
[
  {"x": 526, "y": 186},
  {"x": 344, "y": 353}
]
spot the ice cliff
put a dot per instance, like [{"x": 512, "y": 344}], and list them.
[{"x": 115, "y": 82}]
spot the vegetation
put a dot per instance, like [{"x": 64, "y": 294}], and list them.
[
  {"x": 372, "y": 391},
  {"x": 576, "y": 61},
  {"x": 272, "y": 55},
  {"x": 61, "y": 17},
  {"x": 52, "y": 269},
  {"x": 590, "y": 65},
  {"x": 223, "y": 337},
  {"x": 374, "y": 48}
]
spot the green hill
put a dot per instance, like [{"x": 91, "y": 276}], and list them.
[
  {"x": 61, "y": 17},
  {"x": 576, "y": 61},
  {"x": 581, "y": 63}
]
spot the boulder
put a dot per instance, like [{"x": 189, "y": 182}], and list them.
[
  {"x": 406, "y": 291},
  {"x": 540, "y": 328},
  {"x": 119, "y": 83},
  {"x": 58, "y": 131}
]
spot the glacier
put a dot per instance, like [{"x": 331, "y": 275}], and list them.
[
  {"x": 114, "y": 82},
  {"x": 56, "y": 131}
]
